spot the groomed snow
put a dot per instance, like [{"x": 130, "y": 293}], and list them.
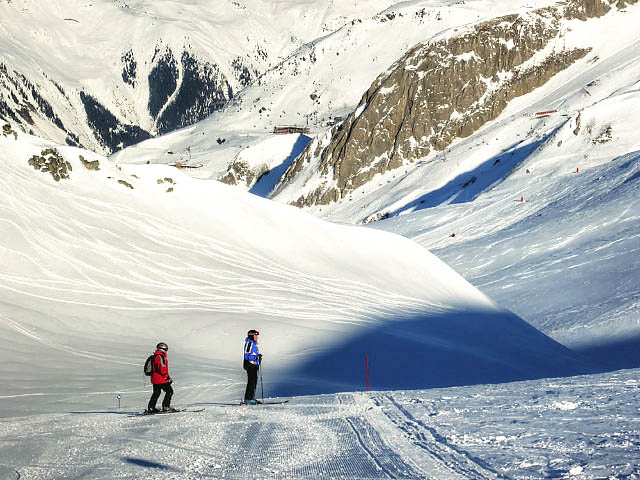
[{"x": 578, "y": 428}]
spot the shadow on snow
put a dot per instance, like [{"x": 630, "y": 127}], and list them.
[
  {"x": 467, "y": 186},
  {"x": 463, "y": 347},
  {"x": 267, "y": 182},
  {"x": 146, "y": 463},
  {"x": 613, "y": 355}
]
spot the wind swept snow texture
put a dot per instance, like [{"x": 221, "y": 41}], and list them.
[{"x": 97, "y": 268}]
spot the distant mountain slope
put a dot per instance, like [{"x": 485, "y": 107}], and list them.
[
  {"x": 323, "y": 81},
  {"x": 440, "y": 91},
  {"x": 108, "y": 74},
  {"x": 471, "y": 189},
  {"x": 99, "y": 261},
  {"x": 315, "y": 87}
]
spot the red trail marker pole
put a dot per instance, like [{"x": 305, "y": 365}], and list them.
[{"x": 367, "y": 361}]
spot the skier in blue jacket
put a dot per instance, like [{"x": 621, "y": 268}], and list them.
[{"x": 251, "y": 364}]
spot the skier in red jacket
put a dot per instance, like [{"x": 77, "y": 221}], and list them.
[{"x": 161, "y": 380}]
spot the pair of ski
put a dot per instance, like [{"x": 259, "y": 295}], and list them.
[
  {"x": 242, "y": 404},
  {"x": 196, "y": 410},
  {"x": 146, "y": 413}
]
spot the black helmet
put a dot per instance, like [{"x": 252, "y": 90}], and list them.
[
  {"x": 162, "y": 346},
  {"x": 252, "y": 332}
]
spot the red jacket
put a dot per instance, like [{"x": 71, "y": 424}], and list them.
[{"x": 160, "y": 373}]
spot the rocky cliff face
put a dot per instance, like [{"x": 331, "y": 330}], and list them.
[
  {"x": 437, "y": 92},
  {"x": 23, "y": 102}
]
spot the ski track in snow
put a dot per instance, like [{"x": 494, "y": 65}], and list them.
[
  {"x": 580, "y": 427},
  {"x": 455, "y": 462}
]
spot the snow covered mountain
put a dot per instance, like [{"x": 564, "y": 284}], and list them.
[
  {"x": 438, "y": 92},
  {"x": 108, "y": 74},
  {"x": 318, "y": 85},
  {"x": 229, "y": 147},
  {"x": 101, "y": 257}
]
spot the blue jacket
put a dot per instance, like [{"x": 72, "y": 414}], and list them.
[{"x": 251, "y": 352}]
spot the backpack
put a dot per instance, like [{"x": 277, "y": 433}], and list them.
[{"x": 148, "y": 365}]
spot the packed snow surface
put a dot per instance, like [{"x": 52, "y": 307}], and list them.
[{"x": 579, "y": 428}]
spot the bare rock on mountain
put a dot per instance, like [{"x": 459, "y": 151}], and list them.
[
  {"x": 241, "y": 173},
  {"x": 437, "y": 92},
  {"x": 50, "y": 161}
]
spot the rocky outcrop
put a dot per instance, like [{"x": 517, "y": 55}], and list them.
[
  {"x": 21, "y": 100},
  {"x": 50, "y": 161},
  {"x": 437, "y": 92},
  {"x": 125, "y": 183},
  {"x": 240, "y": 172},
  {"x": 7, "y": 130},
  {"x": 89, "y": 165}
]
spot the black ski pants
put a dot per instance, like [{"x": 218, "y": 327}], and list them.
[
  {"x": 157, "y": 389},
  {"x": 252, "y": 380}
]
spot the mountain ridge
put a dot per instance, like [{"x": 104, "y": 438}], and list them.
[
  {"x": 108, "y": 75},
  {"x": 438, "y": 92}
]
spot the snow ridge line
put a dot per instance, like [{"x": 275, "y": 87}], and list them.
[{"x": 427, "y": 438}]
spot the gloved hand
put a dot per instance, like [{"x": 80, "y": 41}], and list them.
[
  {"x": 259, "y": 357},
  {"x": 169, "y": 380}
]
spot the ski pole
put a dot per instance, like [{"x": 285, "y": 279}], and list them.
[{"x": 261, "y": 384}]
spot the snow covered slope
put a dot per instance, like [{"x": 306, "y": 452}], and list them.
[
  {"x": 565, "y": 258},
  {"x": 99, "y": 267},
  {"x": 107, "y": 74}
]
